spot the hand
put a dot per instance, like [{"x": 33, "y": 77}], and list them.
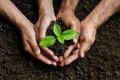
[
  {"x": 89, "y": 26},
  {"x": 41, "y": 28},
  {"x": 87, "y": 38},
  {"x": 46, "y": 15},
  {"x": 11, "y": 12},
  {"x": 31, "y": 46},
  {"x": 69, "y": 19}
]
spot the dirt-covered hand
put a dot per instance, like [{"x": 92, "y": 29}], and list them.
[{"x": 87, "y": 38}]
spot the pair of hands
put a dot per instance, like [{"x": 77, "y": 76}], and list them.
[
  {"x": 82, "y": 42},
  {"x": 86, "y": 28},
  {"x": 32, "y": 33}
]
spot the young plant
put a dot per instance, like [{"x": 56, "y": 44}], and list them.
[{"x": 59, "y": 35}]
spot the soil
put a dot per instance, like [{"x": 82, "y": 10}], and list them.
[
  {"x": 101, "y": 62},
  {"x": 58, "y": 48}
]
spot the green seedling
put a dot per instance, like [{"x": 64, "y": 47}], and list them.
[{"x": 59, "y": 35}]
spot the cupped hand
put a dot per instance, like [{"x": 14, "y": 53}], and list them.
[
  {"x": 31, "y": 45},
  {"x": 87, "y": 38},
  {"x": 68, "y": 17},
  {"x": 41, "y": 27}
]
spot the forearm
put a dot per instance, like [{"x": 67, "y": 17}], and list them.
[
  {"x": 9, "y": 10},
  {"x": 69, "y": 4},
  {"x": 45, "y": 6},
  {"x": 103, "y": 11}
]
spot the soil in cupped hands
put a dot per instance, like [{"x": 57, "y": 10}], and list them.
[{"x": 58, "y": 48}]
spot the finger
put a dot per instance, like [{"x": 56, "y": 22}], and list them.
[
  {"x": 43, "y": 28},
  {"x": 54, "y": 63},
  {"x": 34, "y": 46},
  {"x": 78, "y": 45},
  {"x": 69, "y": 50},
  {"x": 55, "y": 58},
  {"x": 61, "y": 59},
  {"x": 71, "y": 58},
  {"x": 39, "y": 57},
  {"x": 49, "y": 53},
  {"x": 46, "y": 60},
  {"x": 43, "y": 58},
  {"x": 36, "y": 28},
  {"x": 85, "y": 46},
  {"x": 27, "y": 47},
  {"x": 74, "y": 26},
  {"x": 44, "y": 24}
]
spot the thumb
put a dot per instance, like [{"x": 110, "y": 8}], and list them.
[
  {"x": 75, "y": 26},
  {"x": 34, "y": 46},
  {"x": 82, "y": 53},
  {"x": 85, "y": 46},
  {"x": 44, "y": 24},
  {"x": 43, "y": 28}
]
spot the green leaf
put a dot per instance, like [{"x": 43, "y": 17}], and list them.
[
  {"x": 57, "y": 30},
  {"x": 60, "y": 39},
  {"x": 47, "y": 41},
  {"x": 69, "y": 34}
]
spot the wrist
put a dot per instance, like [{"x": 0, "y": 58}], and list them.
[
  {"x": 89, "y": 23},
  {"x": 45, "y": 7},
  {"x": 68, "y": 9},
  {"x": 23, "y": 23},
  {"x": 69, "y": 5},
  {"x": 102, "y": 12}
]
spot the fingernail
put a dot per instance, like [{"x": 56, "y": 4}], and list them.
[
  {"x": 56, "y": 58},
  {"x": 75, "y": 40},
  {"x": 49, "y": 63},
  {"x": 54, "y": 64},
  {"x": 37, "y": 52},
  {"x": 82, "y": 55}
]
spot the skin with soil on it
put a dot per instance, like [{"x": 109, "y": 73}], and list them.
[{"x": 101, "y": 62}]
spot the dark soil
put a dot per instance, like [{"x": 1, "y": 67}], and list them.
[
  {"x": 101, "y": 62},
  {"x": 58, "y": 48}
]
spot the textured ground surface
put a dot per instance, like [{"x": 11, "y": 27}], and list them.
[{"x": 102, "y": 61}]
